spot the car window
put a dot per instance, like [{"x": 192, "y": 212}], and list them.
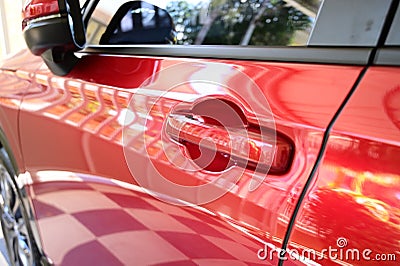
[
  {"x": 225, "y": 22},
  {"x": 356, "y": 23},
  {"x": 394, "y": 33}
]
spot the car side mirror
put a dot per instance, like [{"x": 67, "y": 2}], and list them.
[
  {"x": 139, "y": 22},
  {"x": 54, "y": 30}
]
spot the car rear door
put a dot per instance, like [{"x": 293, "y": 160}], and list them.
[
  {"x": 202, "y": 124},
  {"x": 351, "y": 212}
]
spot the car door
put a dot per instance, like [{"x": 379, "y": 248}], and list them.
[
  {"x": 351, "y": 213},
  {"x": 235, "y": 130}
]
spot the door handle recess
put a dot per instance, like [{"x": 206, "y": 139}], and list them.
[{"x": 216, "y": 148}]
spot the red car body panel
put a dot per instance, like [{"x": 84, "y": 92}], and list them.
[
  {"x": 15, "y": 81},
  {"x": 90, "y": 148},
  {"x": 105, "y": 222},
  {"x": 356, "y": 195},
  {"x": 73, "y": 124}
]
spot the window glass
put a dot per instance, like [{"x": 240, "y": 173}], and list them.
[
  {"x": 226, "y": 22},
  {"x": 394, "y": 33},
  {"x": 350, "y": 23}
]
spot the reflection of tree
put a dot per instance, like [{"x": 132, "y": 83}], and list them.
[
  {"x": 215, "y": 10},
  {"x": 186, "y": 18},
  {"x": 278, "y": 25},
  {"x": 255, "y": 22},
  {"x": 310, "y": 4}
]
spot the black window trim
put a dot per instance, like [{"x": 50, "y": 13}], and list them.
[
  {"x": 323, "y": 55},
  {"x": 388, "y": 56}
]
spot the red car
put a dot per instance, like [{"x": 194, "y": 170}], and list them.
[{"x": 203, "y": 132}]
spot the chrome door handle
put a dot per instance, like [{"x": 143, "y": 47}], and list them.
[{"x": 244, "y": 147}]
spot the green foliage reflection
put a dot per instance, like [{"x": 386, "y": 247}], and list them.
[{"x": 241, "y": 22}]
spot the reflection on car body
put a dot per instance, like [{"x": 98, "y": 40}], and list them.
[{"x": 121, "y": 148}]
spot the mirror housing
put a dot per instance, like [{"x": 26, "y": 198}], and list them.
[{"x": 54, "y": 30}]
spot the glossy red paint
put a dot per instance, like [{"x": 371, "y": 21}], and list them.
[
  {"x": 79, "y": 117},
  {"x": 86, "y": 140},
  {"x": 104, "y": 220},
  {"x": 356, "y": 195},
  {"x": 39, "y": 8},
  {"x": 228, "y": 131},
  {"x": 15, "y": 81}
]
